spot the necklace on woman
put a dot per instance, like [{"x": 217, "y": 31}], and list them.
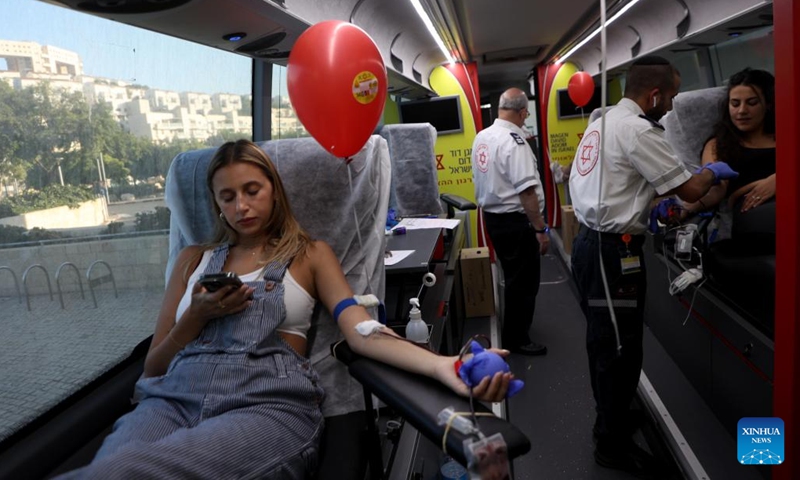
[{"x": 253, "y": 251}]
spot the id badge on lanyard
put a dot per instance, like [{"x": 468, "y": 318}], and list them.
[{"x": 630, "y": 263}]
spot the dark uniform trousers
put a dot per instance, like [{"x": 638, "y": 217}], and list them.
[
  {"x": 517, "y": 248},
  {"x": 614, "y": 375}
]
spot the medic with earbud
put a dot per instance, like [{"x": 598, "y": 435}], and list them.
[{"x": 622, "y": 162}]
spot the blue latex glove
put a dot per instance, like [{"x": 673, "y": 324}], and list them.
[
  {"x": 721, "y": 171},
  {"x": 485, "y": 364},
  {"x": 667, "y": 211},
  {"x": 391, "y": 218}
]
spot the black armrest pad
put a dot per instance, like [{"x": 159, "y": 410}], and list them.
[
  {"x": 458, "y": 202},
  {"x": 419, "y": 400}
]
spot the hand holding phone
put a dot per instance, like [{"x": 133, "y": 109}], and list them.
[
  {"x": 211, "y": 299},
  {"x": 214, "y": 281}
]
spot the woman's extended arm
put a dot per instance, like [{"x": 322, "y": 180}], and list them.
[
  {"x": 716, "y": 193},
  {"x": 332, "y": 287},
  {"x": 170, "y": 337}
]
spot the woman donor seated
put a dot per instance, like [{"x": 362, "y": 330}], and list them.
[
  {"x": 226, "y": 390},
  {"x": 744, "y": 137}
]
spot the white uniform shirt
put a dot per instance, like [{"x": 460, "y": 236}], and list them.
[
  {"x": 503, "y": 165},
  {"x": 638, "y": 163}
]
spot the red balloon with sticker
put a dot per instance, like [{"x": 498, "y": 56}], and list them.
[
  {"x": 580, "y": 88},
  {"x": 337, "y": 85}
]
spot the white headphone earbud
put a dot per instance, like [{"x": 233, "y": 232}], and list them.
[{"x": 655, "y": 101}]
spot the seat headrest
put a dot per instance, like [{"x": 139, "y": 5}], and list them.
[
  {"x": 415, "y": 184},
  {"x": 597, "y": 112},
  {"x": 691, "y": 123}
]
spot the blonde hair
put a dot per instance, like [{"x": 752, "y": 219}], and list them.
[{"x": 283, "y": 231}]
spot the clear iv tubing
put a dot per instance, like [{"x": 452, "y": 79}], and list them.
[
  {"x": 358, "y": 230},
  {"x": 603, "y": 100}
]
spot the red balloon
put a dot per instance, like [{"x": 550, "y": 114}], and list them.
[
  {"x": 580, "y": 88},
  {"x": 337, "y": 85}
]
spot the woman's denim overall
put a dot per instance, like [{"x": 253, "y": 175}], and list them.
[{"x": 237, "y": 402}]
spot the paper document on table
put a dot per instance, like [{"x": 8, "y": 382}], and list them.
[
  {"x": 395, "y": 256},
  {"x": 420, "y": 223}
]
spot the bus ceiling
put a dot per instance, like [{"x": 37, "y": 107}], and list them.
[{"x": 506, "y": 40}]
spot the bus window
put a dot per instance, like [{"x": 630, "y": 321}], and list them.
[
  {"x": 695, "y": 69},
  {"x": 753, "y": 49},
  {"x": 91, "y": 114},
  {"x": 285, "y": 123}
]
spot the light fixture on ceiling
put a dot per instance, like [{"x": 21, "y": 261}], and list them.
[
  {"x": 234, "y": 37},
  {"x": 429, "y": 24},
  {"x": 586, "y": 40}
]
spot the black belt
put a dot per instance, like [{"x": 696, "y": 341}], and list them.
[
  {"x": 610, "y": 237},
  {"x": 513, "y": 218}
]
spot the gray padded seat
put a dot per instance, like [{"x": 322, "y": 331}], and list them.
[
  {"x": 319, "y": 194},
  {"x": 415, "y": 187},
  {"x": 691, "y": 123},
  {"x": 597, "y": 112}
]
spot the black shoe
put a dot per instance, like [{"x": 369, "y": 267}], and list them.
[
  {"x": 529, "y": 349},
  {"x": 628, "y": 457}
]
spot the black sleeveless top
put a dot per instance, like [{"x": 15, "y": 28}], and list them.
[{"x": 754, "y": 164}]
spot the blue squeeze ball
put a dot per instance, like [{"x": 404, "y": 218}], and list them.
[{"x": 485, "y": 364}]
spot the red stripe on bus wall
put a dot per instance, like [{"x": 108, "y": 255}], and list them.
[
  {"x": 467, "y": 76},
  {"x": 786, "y": 392},
  {"x": 546, "y": 75},
  {"x": 725, "y": 341}
]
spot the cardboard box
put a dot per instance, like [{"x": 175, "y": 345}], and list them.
[
  {"x": 569, "y": 227},
  {"x": 476, "y": 282}
]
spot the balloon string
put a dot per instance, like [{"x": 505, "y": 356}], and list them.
[{"x": 358, "y": 228}]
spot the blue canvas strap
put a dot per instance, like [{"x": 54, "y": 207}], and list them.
[{"x": 363, "y": 300}]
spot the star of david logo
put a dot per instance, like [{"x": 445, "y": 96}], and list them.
[
  {"x": 590, "y": 150},
  {"x": 482, "y": 155},
  {"x": 586, "y": 153}
]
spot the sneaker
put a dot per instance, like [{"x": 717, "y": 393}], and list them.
[
  {"x": 529, "y": 349},
  {"x": 628, "y": 457}
]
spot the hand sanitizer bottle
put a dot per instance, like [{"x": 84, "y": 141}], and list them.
[{"x": 416, "y": 330}]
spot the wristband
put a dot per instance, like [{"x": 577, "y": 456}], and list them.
[{"x": 546, "y": 229}]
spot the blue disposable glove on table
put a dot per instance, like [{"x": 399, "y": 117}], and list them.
[{"x": 721, "y": 171}]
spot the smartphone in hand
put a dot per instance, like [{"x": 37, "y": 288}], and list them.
[{"x": 214, "y": 281}]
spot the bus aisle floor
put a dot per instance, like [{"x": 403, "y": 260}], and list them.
[{"x": 556, "y": 409}]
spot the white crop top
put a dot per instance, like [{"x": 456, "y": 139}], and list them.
[{"x": 298, "y": 303}]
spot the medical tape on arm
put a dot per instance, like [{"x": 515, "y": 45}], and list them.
[{"x": 366, "y": 301}]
